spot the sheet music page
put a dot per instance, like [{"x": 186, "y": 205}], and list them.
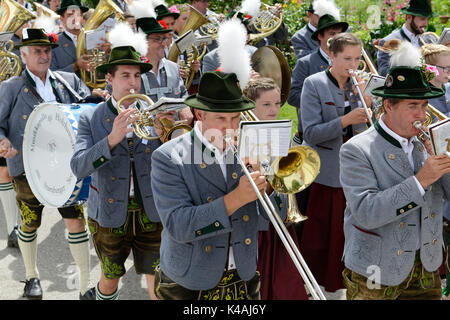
[
  {"x": 440, "y": 136},
  {"x": 94, "y": 38},
  {"x": 264, "y": 140},
  {"x": 375, "y": 81},
  {"x": 445, "y": 36}
]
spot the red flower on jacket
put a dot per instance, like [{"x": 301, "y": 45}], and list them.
[
  {"x": 163, "y": 24},
  {"x": 145, "y": 59},
  {"x": 53, "y": 37}
]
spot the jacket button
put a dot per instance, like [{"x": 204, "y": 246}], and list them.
[
  {"x": 402, "y": 210},
  {"x": 209, "y": 199},
  {"x": 399, "y": 252},
  {"x": 199, "y": 232},
  {"x": 111, "y": 200},
  {"x": 217, "y": 224},
  {"x": 24, "y": 117},
  {"x": 203, "y": 165},
  {"x": 147, "y": 150},
  {"x": 108, "y": 119},
  {"x": 245, "y": 218},
  {"x": 391, "y": 156},
  {"x": 25, "y": 90},
  {"x": 434, "y": 241},
  {"x": 248, "y": 241},
  {"x": 410, "y": 206},
  {"x": 432, "y": 215},
  {"x": 401, "y": 225},
  {"x": 208, "y": 249},
  {"x": 113, "y": 178}
]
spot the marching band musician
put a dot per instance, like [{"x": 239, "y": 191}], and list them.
[
  {"x": 301, "y": 40},
  {"x": 328, "y": 26},
  {"x": 331, "y": 113},
  {"x": 64, "y": 57},
  {"x": 418, "y": 13},
  {"x": 206, "y": 204},
  {"x": 122, "y": 214},
  {"x": 280, "y": 279},
  {"x": 20, "y": 95},
  {"x": 394, "y": 192}
]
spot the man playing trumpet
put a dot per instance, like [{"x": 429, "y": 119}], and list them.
[{"x": 394, "y": 192}]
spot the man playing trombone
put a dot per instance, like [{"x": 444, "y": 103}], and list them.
[
  {"x": 394, "y": 192},
  {"x": 207, "y": 207}
]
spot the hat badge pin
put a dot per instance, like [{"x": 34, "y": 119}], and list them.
[
  {"x": 400, "y": 78},
  {"x": 389, "y": 81}
]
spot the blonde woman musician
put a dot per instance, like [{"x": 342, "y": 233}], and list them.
[
  {"x": 279, "y": 277},
  {"x": 331, "y": 113}
]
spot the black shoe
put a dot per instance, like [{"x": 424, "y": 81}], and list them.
[
  {"x": 12, "y": 239},
  {"x": 89, "y": 295},
  {"x": 33, "y": 290}
]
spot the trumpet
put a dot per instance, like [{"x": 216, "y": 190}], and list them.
[
  {"x": 355, "y": 83},
  {"x": 146, "y": 120},
  {"x": 424, "y": 135},
  {"x": 275, "y": 219}
]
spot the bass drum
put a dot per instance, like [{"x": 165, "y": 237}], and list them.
[{"x": 48, "y": 144}]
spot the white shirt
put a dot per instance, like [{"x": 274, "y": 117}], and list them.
[
  {"x": 44, "y": 90},
  {"x": 73, "y": 37},
  {"x": 312, "y": 27},
  {"x": 160, "y": 66},
  {"x": 223, "y": 166},
  {"x": 413, "y": 37},
  {"x": 324, "y": 54}
]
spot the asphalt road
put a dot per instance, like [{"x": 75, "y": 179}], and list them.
[{"x": 57, "y": 270}]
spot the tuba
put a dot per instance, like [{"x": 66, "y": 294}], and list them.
[
  {"x": 42, "y": 10},
  {"x": 10, "y": 64},
  {"x": 13, "y": 16},
  {"x": 104, "y": 9},
  {"x": 265, "y": 24},
  {"x": 270, "y": 62}
]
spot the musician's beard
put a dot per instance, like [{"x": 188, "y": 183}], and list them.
[{"x": 416, "y": 29}]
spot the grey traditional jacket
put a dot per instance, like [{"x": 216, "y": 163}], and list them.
[
  {"x": 322, "y": 106},
  {"x": 64, "y": 55},
  {"x": 18, "y": 102},
  {"x": 211, "y": 62},
  {"x": 387, "y": 219},
  {"x": 383, "y": 57},
  {"x": 302, "y": 42},
  {"x": 188, "y": 187},
  {"x": 305, "y": 66},
  {"x": 110, "y": 169}
]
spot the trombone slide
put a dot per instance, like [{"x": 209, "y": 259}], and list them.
[{"x": 355, "y": 83}]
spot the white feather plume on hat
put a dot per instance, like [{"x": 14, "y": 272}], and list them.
[
  {"x": 250, "y": 7},
  {"x": 233, "y": 57},
  {"x": 142, "y": 9},
  {"x": 123, "y": 35},
  {"x": 323, "y": 7},
  {"x": 47, "y": 23},
  {"x": 156, "y": 3},
  {"x": 406, "y": 55}
]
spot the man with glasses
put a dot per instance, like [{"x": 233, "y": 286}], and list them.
[{"x": 164, "y": 79}]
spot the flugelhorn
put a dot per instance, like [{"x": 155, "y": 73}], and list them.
[
  {"x": 146, "y": 119},
  {"x": 424, "y": 135}
]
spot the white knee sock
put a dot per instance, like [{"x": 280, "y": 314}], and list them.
[
  {"x": 79, "y": 247},
  {"x": 28, "y": 247},
  {"x": 101, "y": 296},
  {"x": 8, "y": 199}
]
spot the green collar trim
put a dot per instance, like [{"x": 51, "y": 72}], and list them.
[
  {"x": 386, "y": 135},
  {"x": 323, "y": 58},
  {"x": 404, "y": 34},
  {"x": 199, "y": 143},
  {"x": 111, "y": 107},
  {"x": 330, "y": 76}
]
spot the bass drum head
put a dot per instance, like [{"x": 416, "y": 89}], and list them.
[{"x": 48, "y": 145}]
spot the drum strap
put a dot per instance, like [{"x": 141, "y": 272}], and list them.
[{"x": 67, "y": 85}]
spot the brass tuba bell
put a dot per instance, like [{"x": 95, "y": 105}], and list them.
[{"x": 13, "y": 16}]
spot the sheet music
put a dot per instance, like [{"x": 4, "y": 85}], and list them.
[
  {"x": 440, "y": 136},
  {"x": 264, "y": 140},
  {"x": 375, "y": 81},
  {"x": 445, "y": 36},
  {"x": 94, "y": 37}
]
